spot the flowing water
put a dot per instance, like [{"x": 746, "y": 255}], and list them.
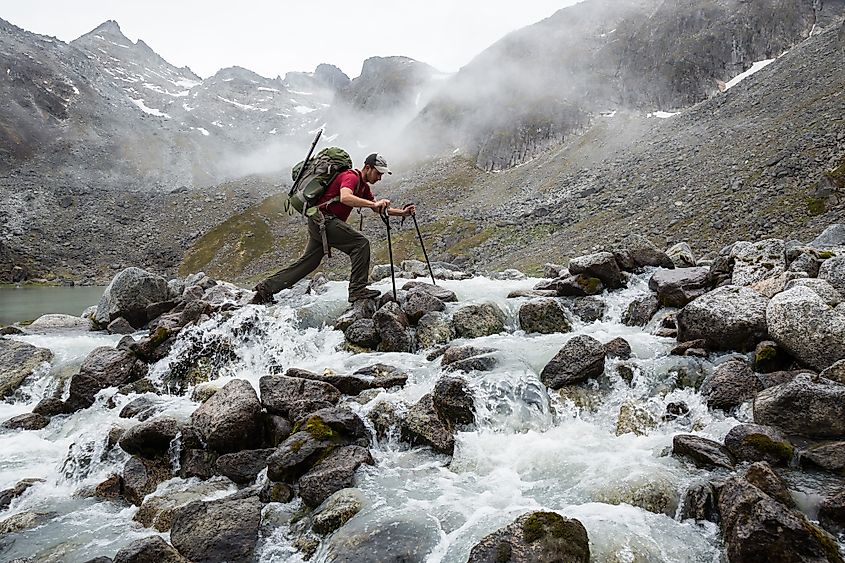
[{"x": 530, "y": 450}]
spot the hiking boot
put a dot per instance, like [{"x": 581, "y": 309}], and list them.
[
  {"x": 364, "y": 294},
  {"x": 261, "y": 299}
]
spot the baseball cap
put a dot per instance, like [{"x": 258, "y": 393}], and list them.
[{"x": 378, "y": 162}]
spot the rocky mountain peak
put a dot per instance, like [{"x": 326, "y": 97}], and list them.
[
  {"x": 109, "y": 29},
  {"x": 331, "y": 76}
]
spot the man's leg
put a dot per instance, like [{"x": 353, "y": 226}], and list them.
[
  {"x": 350, "y": 241},
  {"x": 284, "y": 279}
]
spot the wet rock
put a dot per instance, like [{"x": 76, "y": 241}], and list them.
[
  {"x": 8, "y": 495},
  {"x": 384, "y": 418},
  {"x": 756, "y": 527},
  {"x": 675, "y": 410},
  {"x": 27, "y": 421},
  {"x": 275, "y": 492},
  {"x": 474, "y": 321},
  {"x": 434, "y": 328},
  {"x": 120, "y": 326},
  {"x": 581, "y": 358},
  {"x": 537, "y": 536},
  {"x": 677, "y": 287},
  {"x": 532, "y": 293},
  {"x": 244, "y": 466},
  {"x": 684, "y": 347},
  {"x": 453, "y": 401},
  {"x": 601, "y": 265},
  {"x": 393, "y": 329},
  {"x": 111, "y": 488},
  {"x": 129, "y": 294},
  {"x": 617, "y": 348},
  {"x": 779, "y": 377},
  {"x": 230, "y": 420},
  {"x": 705, "y": 453},
  {"x": 150, "y": 439},
  {"x": 832, "y": 271},
  {"x": 832, "y": 513},
  {"x": 419, "y": 302},
  {"x": 544, "y": 316},
  {"x": 383, "y": 376},
  {"x": 581, "y": 397},
  {"x": 803, "y": 406},
  {"x": 337, "y": 510},
  {"x": 589, "y": 309},
  {"x": 681, "y": 255},
  {"x": 24, "y": 521},
  {"x": 276, "y": 429},
  {"x": 297, "y": 454},
  {"x": 641, "y": 310},
  {"x": 218, "y": 530},
  {"x": 422, "y": 426},
  {"x": 700, "y": 503},
  {"x": 296, "y": 398},
  {"x": 761, "y": 475},
  {"x": 752, "y": 442},
  {"x": 152, "y": 549},
  {"x": 141, "y": 408},
  {"x": 757, "y": 261},
  {"x": 346, "y": 384},
  {"x": 19, "y": 360},
  {"x": 111, "y": 367},
  {"x": 829, "y": 456},
  {"x": 731, "y": 384},
  {"x": 142, "y": 476},
  {"x": 203, "y": 392},
  {"x": 52, "y": 323},
  {"x": 467, "y": 359},
  {"x": 141, "y": 386},
  {"x": 728, "y": 318},
  {"x": 635, "y": 418},
  {"x": 335, "y": 472},
  {"x": 404, "y": 536},
  {"x": 803, "y": 324},
  {"x": 361, "y": 309},
  {"x": 157, "y": 510},
  {"x": 769, "y": 357},
  {"x": 578, "y": 286},
  {"x": 363, "y": 333},
  {"x": 441, "y": 293}
]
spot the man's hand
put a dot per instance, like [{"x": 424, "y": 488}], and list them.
[
  {"x": 380, "y": 205},
  {"x": 409, "y": 210}
]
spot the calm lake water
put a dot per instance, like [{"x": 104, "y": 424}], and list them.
[{"x": 29, "y": 303}]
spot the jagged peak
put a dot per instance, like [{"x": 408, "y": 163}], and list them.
[
  {"x": 109, "y": 29},
  {"x": 238, "y": 72}
]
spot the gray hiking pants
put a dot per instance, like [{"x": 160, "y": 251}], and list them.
[{"x": 339, "y": 235}]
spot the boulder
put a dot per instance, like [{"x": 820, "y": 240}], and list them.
[
  {"x": 230, "y": 420},
  {"x": 703, "y": 452},
  {"x": 681, "y": 255},
  {"x": 346, "y": 384},
  {"x": 581, "y": 358},
  {"x": 128, "y": 296},
  {"x": 151, "y": 438},
  {"x": 46, "y": 324},
  {"x": 756, "y": 261},
  {"x": 580, "y": 285},
  {"x": 473, "y": 321},
  {"x": 19, "y": 360},
  {"x": 805, "y": 406},
  {"x": 434, "y": 328},
  {"x": 636, "y": 252},
  {"x": 823, "y": 289},
  {"x": 407, "y": 536},
  {"x": 832, "y": 508},
  {"x": 467, "y": 359},
  {"x": 152, "y": 549},
  {"x": 832, "y": 271},
  {"x": 111, "y": 367},
  {"x": 617, "y": 348},
  {"x": 142, "y": 408},
  {"x": 142, "y": 476},
  {"x": 731, "y": 384},
  {"x": 641, "y": 310},
  {"x": 360, "y": 309},
  {"x": 832, "y": 237},
  {"x": 295, "y": 398},
  {"x": 801, "y": 322},
  {"x": 588, "y": 309},
  {"x": 807, "y": 263},
  {"x": 157, "y": 510},
  {"x": 244, "y": 466},
  {"x": 8, "y": 495},
  {"x": 423, "y": 426},
  {"x": 335, "y": 472},
  {"x": 544, "y": 315},
  {"x": 752, "y": 442},
  {"x": 836, "y": 372},
  {"x": 419, "y": 302},
  {"x": 363, "y": 333},
  {"x": 829, "y": 456},
  {"x": 453, "y": 401},
  {"x": 26, "y": 421},
  {"x": 217, "y": 530},
  {"x": 394, "y": 330},
  {"x": 383, "y": 376},
  {"x": 756, "y": 527},
  {"x": 441, "y": 293},
  {"x": 700, "y": 502},
  {"x": 337, "y": 510},
  {"x": 727, "y": 318},
  {"x": 601, "y": 265},
  {"x": 536, "y": 536},
  {"x": 677, "y": 287},
  {"x": 761, "y": 475}
]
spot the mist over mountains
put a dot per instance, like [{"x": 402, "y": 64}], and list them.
[{"x": 93, "y": 125}]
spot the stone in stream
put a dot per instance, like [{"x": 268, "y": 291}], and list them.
[
  {"x": 8, "y": 495},
  {"x": 641, "y": 310},
  {"x": 617, "y": 348},
  {"x": 152, "y": 549},
  {"x": 151, "y": 438},
  {"x": 217, "y": 530},
  {"x": 453, "y": 401},
  {"x": 727, "y": 318},
  {"x": 434, "y": 328},
  {"x": 142, "y": 476},
  {"x": 335, "y": 472},
  {"x": 467, "y": 359},
  {"x": 419, "y": 302},
  {"x": 26, "y": 421},
  {"x": 700, "y": 502},
  {"x": 422, "y": 426},
  {"x": 581, "y": 358},
  {"x": 244, "y": 466},
  {"x": 19, "y": 360},
  {"x": 731, "y": 384},
  {"x": 545, "y": 315},
  {"x": 230, "y": 420},
  {"x": 537, "y": 536},
  {"x": 589, "y": 309},
  {"x": 601, "y": 265},
  {"x": 752, "y": 442},
  {"x": 829, "y": 456},
  {"x": 474, "y": 321},
  {"x": 363, "y": 333},
  {"x": 681, "y": 255},
  {"x": 636, "y": 252},
  {"x": 157, "y": 510},
  {"x": 703, "y": 452},
  {"x": 337, "y": 510},
  {"x": 406, "y": 536},
  {"x": 129, "y": 294},
  {"x": 677, "y": 287},
  {"x": 806, "y": 405},
  {"x": 393, "y": 328},
  {"x": 832, "y": 513}
]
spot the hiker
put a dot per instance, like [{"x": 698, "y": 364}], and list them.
[{"x": 349, "y": 189}]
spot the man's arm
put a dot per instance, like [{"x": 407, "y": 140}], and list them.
[{"x": 352, "y": 200}]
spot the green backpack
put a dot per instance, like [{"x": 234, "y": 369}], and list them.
[{"x": 318, "y": 174}]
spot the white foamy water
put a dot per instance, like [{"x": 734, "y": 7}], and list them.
[{"x": 531, "y": 449}]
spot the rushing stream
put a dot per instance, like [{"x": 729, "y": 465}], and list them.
[{"x": 530, "y": 449}]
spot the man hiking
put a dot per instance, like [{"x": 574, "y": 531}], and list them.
[{"x": 349, "y": 189}]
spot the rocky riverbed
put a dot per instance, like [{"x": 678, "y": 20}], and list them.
[{"x": 637, "y": 404}]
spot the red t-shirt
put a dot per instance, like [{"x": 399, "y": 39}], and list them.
[{"x": 347, "y": 179}]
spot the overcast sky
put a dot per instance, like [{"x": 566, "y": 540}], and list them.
[{"x": 272, "y": 38}]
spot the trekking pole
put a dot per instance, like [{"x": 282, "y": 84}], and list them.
[
  {"x": 386, "y": 219},
  {"x": 422, "y": 244}
]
